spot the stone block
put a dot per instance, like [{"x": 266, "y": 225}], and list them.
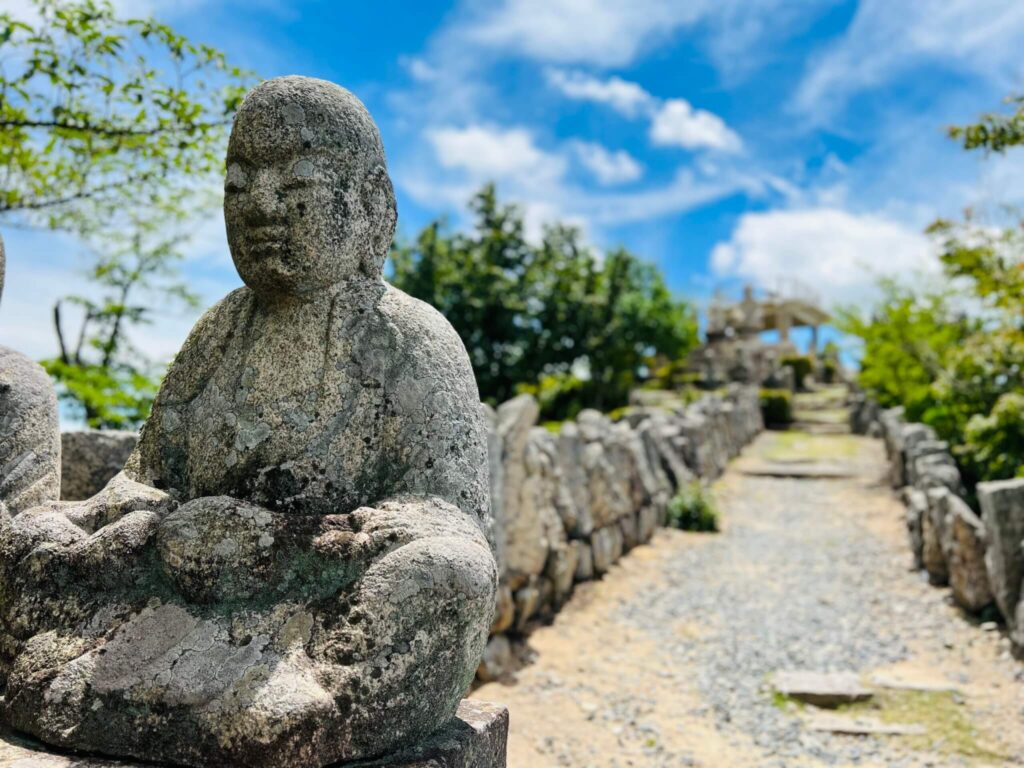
[
  {"x": 933, "y": 537},
  {"x": 967, "y": 575},
  {"x": 476, "y": 738},
  {"x": 603, "y": 549},
  {"x": 497, "y": 659},
  {"x": 504, "y": 610},
  {"x": 90, "y": 458},
  {"x": 584, "y": 560},
  {"x": 1002, "y": 512},
  {"x": 917, "y": 508}
]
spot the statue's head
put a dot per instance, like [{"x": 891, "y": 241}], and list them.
[{"x": 307, "y": 199}]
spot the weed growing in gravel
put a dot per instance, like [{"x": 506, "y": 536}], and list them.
[
  {"x": 693, "y": 509},
  {"x": 948, "y": 728}
]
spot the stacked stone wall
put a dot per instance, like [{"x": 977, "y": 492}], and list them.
[
  {"x": 569, "y": 505},
  {"x": 979, "y": 554}
]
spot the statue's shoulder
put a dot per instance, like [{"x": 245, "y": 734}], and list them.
[
  {"x": 423, "y": 332},
  {"x": 218, "y": 323},
  {"x": 17, "y": 370},
  {"x": 206, "y": 343}
]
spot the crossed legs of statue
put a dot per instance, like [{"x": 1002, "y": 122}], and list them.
[{"x": 265, "y": 635}]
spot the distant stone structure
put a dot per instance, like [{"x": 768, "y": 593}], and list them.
[
  {"x": 735, "y": 350},
  {"x": 294, "y": 568},
  {"x": 29, "y": 430}
]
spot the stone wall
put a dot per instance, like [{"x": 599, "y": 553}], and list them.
[
  {"x": 979, "y": 556},
  {"x": 569, "y": 505},
  {"x": 90, "y": 458}
]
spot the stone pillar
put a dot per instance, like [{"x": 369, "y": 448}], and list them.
[
  {"x": 782, "y": 320},
  {"x": 814, "y": 341}
]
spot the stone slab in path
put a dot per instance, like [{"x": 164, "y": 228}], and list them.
[
  {"x": 476, "y": 738},
  {"x": 822, "y": 689},
  {"x": 796, "y": 469},
  {"x": 861, "y": 726}
]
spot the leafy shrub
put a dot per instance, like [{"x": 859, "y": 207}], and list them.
[
  {"x": 559, "y": 395},
  {"x": 776, "y": 406},
  {"x": 994, "y": 445},
  {"x": 802, "y": 367},
  {"x": 693, "y": 509},
  {"x": 829, "y": 371}
]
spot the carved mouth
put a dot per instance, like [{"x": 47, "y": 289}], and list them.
[{"x": 268, "y": 236}]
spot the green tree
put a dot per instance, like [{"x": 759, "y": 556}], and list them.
[
  {"x": 113, "y": 129},
  {"x": 99, "y": 373},
  {"x": 960, "y": 370},
  {"x": 99, "y": 113},
  {"x": 553, "y": 319},
  {"x": 994, "y": 132}
]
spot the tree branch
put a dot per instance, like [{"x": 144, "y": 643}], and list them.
[
  {"x": 60, "y": 334},
  {"x": 102, "y": 131}
]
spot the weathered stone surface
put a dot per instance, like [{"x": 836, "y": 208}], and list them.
[
  {"x": 661, "y": 440},
  {"x": 934, "y": 537},
  {"x": 967, "y": 575},
  {"x": 89, "y": 459},
  {"x": 324, "y": 586},
  {"x": 525, "y": 553},
  {"x": 906, "y": 437},
  {"x": 29, "y": 434},
  {"x": 1002, "y": 512},
  {"x": 527, "y": 600},
  {"x": 497, "y": 659},
  {"x": 476, "y": 738},
  {"x": 822, "y": 689},
  {"x": 917, "y": 508},
  {"x": 29, "y": 429},
  {"x": 864, "y": 414},
  {"x": 630, "y": 532},
  {"x": 647, "y": 522},
  {"x": 584, "y": 560},
  {"x": 497, "y": 479},
  {"x": 561, "y": 571},
  {"x": 504, "y": 610},
  {"x": 574, "y": 475},
  {"x": 602, "y": 545}
]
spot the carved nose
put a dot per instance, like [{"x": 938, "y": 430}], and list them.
[{"x": 265, "y": 198}]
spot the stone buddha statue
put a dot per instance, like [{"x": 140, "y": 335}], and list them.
[
  {"x": 293, "y": 568},
  {"x": 29, "y": 429}
]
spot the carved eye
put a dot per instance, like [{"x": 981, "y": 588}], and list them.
[{"x": 236, "y": 180}]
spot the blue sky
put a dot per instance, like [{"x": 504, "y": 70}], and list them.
[{"x": 769, "y": 141}]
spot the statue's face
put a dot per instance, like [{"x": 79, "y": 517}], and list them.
[{"x": 294, "y": 217}]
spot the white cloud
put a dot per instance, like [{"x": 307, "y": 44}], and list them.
[
  {"x": 419, "y": 69},
  {"x": 493, "y": 152},
  {"x": 677, "y": 123},
  {"x": 600, "y": 32},
  {"x": 608, "y": 166},
  {"x": 674, "y": 122},
  {"x": 887, "y": 38},
  {"x": 625, "y": 97},
  {"x": 839, "y": 254}
]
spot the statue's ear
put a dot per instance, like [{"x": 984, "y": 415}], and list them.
[{"x": 378, "y": 198}]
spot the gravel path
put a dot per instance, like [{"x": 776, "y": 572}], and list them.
[{"x": 667, "y": 661}]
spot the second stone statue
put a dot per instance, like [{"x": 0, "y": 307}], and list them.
[{"x": 294, "y": 567}]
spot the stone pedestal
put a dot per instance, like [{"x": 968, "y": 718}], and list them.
[{"x": 476, "y": 738}]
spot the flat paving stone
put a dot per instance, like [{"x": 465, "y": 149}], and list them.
[{"x": 822, "y": 689}]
